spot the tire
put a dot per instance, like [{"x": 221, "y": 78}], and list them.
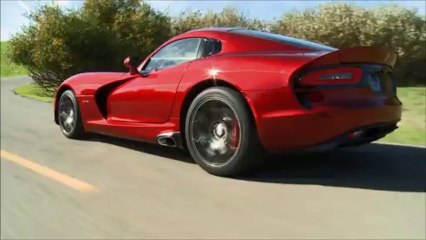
[
  {"x": 220, "y": 133},
  {"x": 69, "y": 117}
]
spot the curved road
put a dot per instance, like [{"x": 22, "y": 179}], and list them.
[{"x": 52, "y": 187}]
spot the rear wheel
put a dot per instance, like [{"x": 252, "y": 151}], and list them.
[
  {"x": 69, "y": 116},
  {"x": 220, "y": 133}
]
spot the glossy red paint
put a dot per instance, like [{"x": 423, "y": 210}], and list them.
[
  {"x": 146, "y": 99},
  {"x": 265, "y": 72},
  {"x": 334, "y": 116}
]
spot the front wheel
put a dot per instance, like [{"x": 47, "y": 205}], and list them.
[
  {"x": 69, "y": 116},
  {"x": 220, "y": 133}
]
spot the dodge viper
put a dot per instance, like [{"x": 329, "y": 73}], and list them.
[{"x": 229, "y": 96}]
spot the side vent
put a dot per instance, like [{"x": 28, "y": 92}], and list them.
[{"x": 102, "y": 94}]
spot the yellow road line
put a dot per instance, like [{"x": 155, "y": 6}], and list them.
[{"x": 49, "y": 173}]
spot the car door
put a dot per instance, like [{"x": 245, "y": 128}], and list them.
[{"x": 149, "y": 99}]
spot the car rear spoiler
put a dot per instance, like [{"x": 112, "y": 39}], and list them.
[{"x": 371, "y": 54}]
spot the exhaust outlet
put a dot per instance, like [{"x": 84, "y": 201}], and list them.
[
  {"x": 166, "y": 141},
  {"x": 170, "y": 139}
]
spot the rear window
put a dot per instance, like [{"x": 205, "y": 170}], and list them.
[{"x": 284, "y": 39}]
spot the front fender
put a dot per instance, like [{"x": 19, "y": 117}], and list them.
[{"x": 86, "y": 84}]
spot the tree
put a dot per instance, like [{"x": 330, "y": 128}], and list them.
[
  {"x": 228, "y": 17},
  {"x": 344, "y": 25},
  {"x": 97, "y": 37}
]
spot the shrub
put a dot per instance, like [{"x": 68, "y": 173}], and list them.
[
  {"x": 96, "y": 37},
  {"x": 228, "y": 17},
  {"x": 345, "y": 25}
]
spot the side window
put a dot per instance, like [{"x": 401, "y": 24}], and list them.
[
  {"x": 210, "y": 47},
  {"x": 174, "y": 53}
]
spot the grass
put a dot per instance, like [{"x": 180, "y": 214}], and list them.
[
  {"x": 8, "y": 68},
  {"x": 412, "y": 129},
  {"x": 32, "y": 90}
]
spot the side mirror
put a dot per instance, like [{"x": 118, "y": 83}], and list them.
[{"x": 132, "y": 63}]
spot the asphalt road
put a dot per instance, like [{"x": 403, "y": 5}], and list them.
[{"x": 53, "y": 187}]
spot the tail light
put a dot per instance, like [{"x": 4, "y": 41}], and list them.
[
  {"x": 308, "y": 83},
  {"x": 318, "y": 85},
  {"x": 331, "y": 76}
]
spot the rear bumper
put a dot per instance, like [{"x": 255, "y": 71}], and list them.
[
  {"x": 295, "y": 128},
  {"x": 356, "y": 137}
]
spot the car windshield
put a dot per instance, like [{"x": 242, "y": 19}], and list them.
[{"x": 284, "y": 39}]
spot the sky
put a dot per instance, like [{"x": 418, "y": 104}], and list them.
[{"x": 13, "y": 11}]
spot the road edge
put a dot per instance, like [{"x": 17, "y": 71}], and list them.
[{"x": 33, "y": 97}]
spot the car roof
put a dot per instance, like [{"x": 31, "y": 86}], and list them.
[
  {"x": 214, "y": 29},
  {"x": 230, "y": 40},
  {"x": 207, "y": 32},
  {"x": 235, "y": 39}
]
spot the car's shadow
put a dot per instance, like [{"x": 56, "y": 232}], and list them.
[{"x": 373, "y": 166}]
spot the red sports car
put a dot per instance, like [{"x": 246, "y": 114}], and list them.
[{"x": 231, "y": 95}]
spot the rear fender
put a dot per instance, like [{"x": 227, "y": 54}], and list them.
[{"x": 243, "y": 73}]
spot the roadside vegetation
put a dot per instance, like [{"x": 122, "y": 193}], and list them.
[
  {"x": 98, "y": 36},
  {"x": 32, "y": 90},
  {"x": 412, "y": 128},
  {"x": 8, "y": 68}
]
